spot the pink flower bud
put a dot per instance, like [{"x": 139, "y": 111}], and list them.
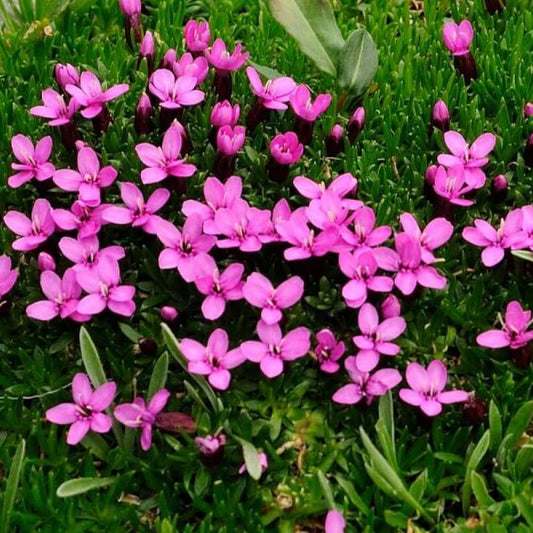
[
  {"x": 440, "y": 117},
  {"x": 169, "y": 59},
  {"x": 286, "y": 149},
  {"x": 335, "y": 141},
  {"x": 197, "y": 36},
  {"x": 528, "y": 110},
  {"x": 230, "y": 139},
  {"x": 81, "y": 144},
  {"x": 224, "y": 114},
  {"x": 499, "y": 188},
  {"x": 130, "y": 7},
  {"x": 211, "y": 448},
  {"x": 148, "y": 45},
  {"x": 356, "y": 124},
  {"x": 143, "y": 115},
  {"x": 391, "y": 307},
  {"x": 431, "y": 172},
  {"x": 66, "y": 75},
  {"x": 45, "y": 262},
  {"x": 168, "y": 314}
]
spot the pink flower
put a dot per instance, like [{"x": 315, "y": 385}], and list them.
[
  {"x": 218, "y": 288},
  {"x": 376, "y": 337},
  {"x": 366, "y": 385},
  {"x": 335, "y": 522},
  {"x": 342, "y": 186},
  {"x": 104, "y": 290},
  {"x": 175, "y": 92},
  {"x": 213, "y": 360},
  {"x": 85, "y": 253},
  {"x": 86, "y": 413},
  {"x": 137, "y": 212},
  {"x": 62, "y": 298},
  {"x": 210, "y": 444},
  {"x": 458, "y": 37},
  {"x": 221, "y": 59},
  {"x": 230, "y": 139},
  {"x": 470, "y": 157},
  {"x": 8, "y": 277},
  {"x": 304, "y": 107},
  {"x": 263, "y": 461},
  {"x": 182, "y": 248},
  {"x": 224, "y": 114},
  {"x": 286, "y": 149},
  {"x": 85, "y": 219},
  {"x": 328, "y": 351},
  {"x": 66, "y": 75},
  {"x": 187, "y": 65},
  {"x": 90, "y": 95},
  {"x": 406, "y": 261},
  {"x": 274, "y": 349},
  {"x": 451, "y": 185},
  {"x": 55, "y": 108},
  {"x": 33, "y": 162},
  {"x": 88, "y": 180},
  {"x": 275, "y": 93},
  {"x": 32, "y": 232},
  {"x": 259, "y": 292},
  {"x": 515, "y": 332},
  {"x": 436, "y": 234},
  {"x": 197, "y": 35},
  {"x": 130, "y": 8},
  {"x": 427, "y": 388},
  {"x": 165, "y": 160},
  {"x": 329, "y": 211},
  {"x": 361, "y": 268},
  {"x": 364, "y": 234},
  {"x": 508, "y": 236},
  {"x": 139, "y": 415}
]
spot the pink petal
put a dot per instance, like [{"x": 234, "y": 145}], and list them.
[
  {"x": 101, "y": 423},
  {"x": 437, "y": 375},
  {"x": 77, "y": 431},
  {"x": 368, "y": 319},
  {"x": 289, "y": 292},
  {"x": 64, "y": 413},
  {"x": 213, "y": 306},
  {"x": 431, "y": 407},
  {"x": 453, "y": 396},
  {"x": 348, "y": 395},
  {"x": 103, "y": 396},
  {"x": 335, "y": 522},
  {"x": 492, "y": 255},
  {"x": 417, "y": 377},
  {"x": 493, "y": 338},
  {"x": 455, "y": 143},
  {"x": 271, "y": 366},
  {"x": 411, "y": 397},
  {"x": 220, "y": 379},
  {"x": 42, "y": 310}
]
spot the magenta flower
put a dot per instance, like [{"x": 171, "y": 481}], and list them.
[
  {"x": 137, "y": 212},
  {"x": 458, "y": 37},
  {"x": 187, "y": 65},
  {"x": 66, "y": 75},
  {"x": 427, "y": 388},
  {"x": 104, "y": 290},
  {"x": 210, "y": 444},
  {"x": 274, "y": 349},
  {"x": 86, "y": 413},
  {"x": 173, "y": 92},
  {"x": 508, "y": 236},
  {"x": 90, "y": 95},
  {"x": 33, "y": 161},
  {"x": 182, "y": 248},
  {"x": 85, "y": 253},
  {"x": 32, "y": 232},
  {"x": 8, "y": 277},
  {"x": 366, "y": 385},
  {"x": 218, "y": 288},
  {"x": 451, "y": 185},
  {"x": 335, "y": 522},
  {"x": 62, "y": 298},
  {"x": 259, "y": 292},
  {"x": 197, "y": 35},
  {"x": 224, "y": 114},
  {"x": 286, "y": 149},
  {"x": 164, "y": 161},
  {"x": 274, "y": 94},
  {"x": 222, "y": 60},
  {"x": 515, "y": 332},
  {"x": 55, "y": 108},
  {"x": 89, "y": 178},
  {"x": 361, "y": 268},
  {"x": 230, "y": 139},
  {"x": 364, "y": 234},
  {"x": 406, "y": 261},
  {"x": 212, "y": 360},
  {"x": 85, "y": 219},
  {"x": 342, "y": 186},
  {"x": 139, "y": 415},
  {"x": 263, "y": 462},
  {"x": 304, "y": 107},
  {"x": 376, "y": 337},
  {"x": 130, "y": 8},
  {"x": 328, "y": 351},
  {"x": 470, "y": 157},
  {"x": 329, "y": 211},
  {"x": 436, "y": 234}
]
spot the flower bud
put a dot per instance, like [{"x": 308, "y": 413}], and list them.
[
  {"x": 391, "y": 307},
  {"x": 147, "y": 346},
  {"x": 211, "y": 449},
  {"x": 474, "y": 410},
  {"x": 197, "y": 36},
  {"x": 143, "y": 116},
  {"x": 440, "y": 117},
  {"x": 528, "y": 110},
  {"x": 174, "y": 422},
  {"x": 66, "y": 75},
  {"x": 130, "y": 7},
  {"x": 528, "y": 152},
  {"x": 230, "y": 139},
  {"x": 81, "y": 144},
  {"x": 499, "y": 188},
  {"x": 45, "y": 262},
  {"x": 224, "y": 114},
  {"x": 429, "y": 180},
  {"x": 169, "y": 59},
  {"x": 466, "y": 65},
  {"x": 335, "y": 141},
  {"x": 356, "y": 124},
  {"x": 168, "y": 314},
  {"x": 147, "y": 51}
]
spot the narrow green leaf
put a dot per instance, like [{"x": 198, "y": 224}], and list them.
[
  {"x": 519, "y": 424},
  {"x": 326, "y": 489},
  {"x": 495, "y": 426},
  {"x": 352, "y": 495},
  {"x": 312, "y": 24},
  {"x": 418, "y": 487},
  {"x": 80, "y": 485},
  {"x": 386, "y": 414},
  {"x": 267, "y": 72},
  {"x": 129, "y": 332},
  {"x": 473, "y": 462},
  {"x": 91, "y": 359},
  {"x": 525, "y": 508},
  {"x": 251, "y": 458},
  {"x": 12, "y": 485},
  {"x": 479, "y": 488},
  {"x": 159, "y": 375},
  {"x": 194, "y": 395},
  {"x": 526, "y": 255},
  {"x": 96, "y": 445},
  {"x": 358, "y": 62}
]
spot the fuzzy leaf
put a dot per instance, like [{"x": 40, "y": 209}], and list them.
[
  {"x": 251, "y": 458},
  {"x": 159, "y": 375},
  {"x": 80, "y": 485}
]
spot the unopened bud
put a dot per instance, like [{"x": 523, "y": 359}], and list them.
[
  {"x": 356, "y": 124},
  {"x": 440, "y": 116},
  {"x": 499, "y": 188},
  {"x": 45, "y": 262}
]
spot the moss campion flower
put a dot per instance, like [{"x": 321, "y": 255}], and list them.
[{"x": 32, "y": 160}]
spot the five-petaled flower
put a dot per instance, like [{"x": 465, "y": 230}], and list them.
[{"x": 32, "y": 161}]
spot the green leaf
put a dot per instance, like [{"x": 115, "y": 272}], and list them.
[
  {"x": 326, "y": 489},
  {"x": 130, "y": 333},
  {"x": 352, "y": 494},
  {"x": 267, "y": 72},
  {"x": 358, "y": 62},
  {"x": 96, "y": 445},
  {"x": 80, "y": 485},
  {"x": 91, "y": 359},
  {"x": 523, "y": 254},
  {"x": 312, "y": 23},
  {"x": 473, "y": 462},
  {"x": 12, "y": 485},
  {"x": 519, "y": 424},
  {"x": 251, "y": 458},
  {"x": 480, "y": 490},
  {"x": 159, "y": 375},
  {"x": 525, "y": 508},
  {"x": 495, "y": 426}
]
